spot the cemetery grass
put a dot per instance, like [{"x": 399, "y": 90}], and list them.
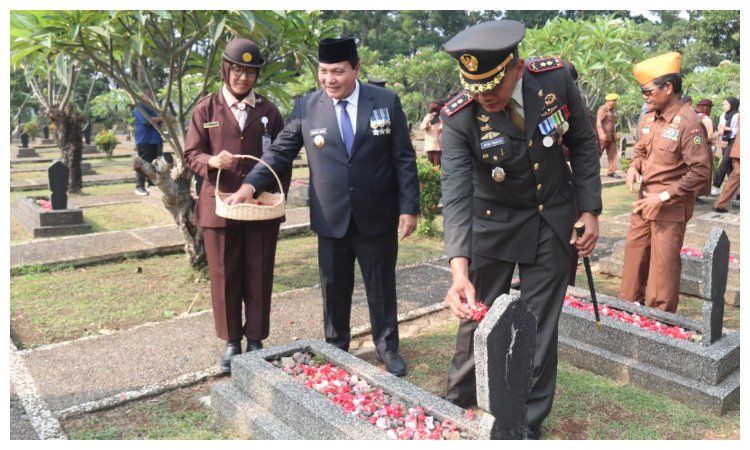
[
  {"x": 587, "y": 406},
  {"x": 62, "y": 303}
]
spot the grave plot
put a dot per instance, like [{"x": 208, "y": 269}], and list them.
[
  {"x": 312, "y": 390},
  {"x": 695, "y": 362}
]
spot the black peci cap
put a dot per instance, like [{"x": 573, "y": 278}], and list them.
[
  {"x": 336, "y": 50},
  {"x": 243, "y": 52},
  {"x": 483, "y": 51},
  {"x": 376, "y": 81}
]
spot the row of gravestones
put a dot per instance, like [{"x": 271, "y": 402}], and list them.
[{"x": 266, "y": 403}]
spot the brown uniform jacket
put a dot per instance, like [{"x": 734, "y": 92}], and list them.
[
  {"x": 671, "y": 154},
  {"x": 214, "y": 128}
]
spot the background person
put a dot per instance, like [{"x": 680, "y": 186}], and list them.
[
  {"x": 672, "y": 159},
  {"x": 728, "y": 130},
  {"x": 240, "y": 254},
  {"x": 606, "y": 125},
  {"x": 148, "y": 142},
  {"x": 364, "y": 191},
  {"x": 431, "y": 126},
  {"x": 733, "y": 182}
]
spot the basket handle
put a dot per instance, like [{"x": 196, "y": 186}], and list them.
[{"x": 281, "y": 188}]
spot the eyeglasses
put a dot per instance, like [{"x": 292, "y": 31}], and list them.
[
  {"x": 650, "y": 92},
  {"x": 238, "y": 71}
]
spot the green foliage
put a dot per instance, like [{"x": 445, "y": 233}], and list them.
[
  {"x": 624, "y": 163},
  {"x": 112, "y": 106},
  {"x": 714, "y": 83},
  {"x": 32, "y": 127},
  {"x": 429, "y": 196},
  {"x": 420, "y": 78},
  {"x": 106, "y": 141}
]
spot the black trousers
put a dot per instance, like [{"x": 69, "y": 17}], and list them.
[
  {"x": 148, "y": 153},
  {"x": 725, "y": 166},
  {"x": 377, "y": 260},
  {"x": 543, "y": 287}
]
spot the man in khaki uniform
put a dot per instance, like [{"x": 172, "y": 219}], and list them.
[
  {"x": 672, "y": 159},
  {"x": 606, "y": 122}
]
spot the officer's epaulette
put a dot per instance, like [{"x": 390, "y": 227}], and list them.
[
  {"x": 545, "y": 64},
  {"x": 455, "y": 104}
]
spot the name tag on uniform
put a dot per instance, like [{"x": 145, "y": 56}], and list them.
[
  {"x": 318, "y": 131},
  {"x": 646, "y": 130},
  {"x": 211, "y": 125},
  {"x": 493, "y": 142},
  {"x": 671, "y": 134}
]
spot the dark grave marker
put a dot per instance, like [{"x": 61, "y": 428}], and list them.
[
  {"x": 715, "y": 270},
  {"x": 58, "y": 185},
  {"x": 504, "y": 353}
]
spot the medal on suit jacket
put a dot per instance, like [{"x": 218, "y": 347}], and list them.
[
  {"x": 554, "y": 126},
  {"x": 319, "y": 137}
]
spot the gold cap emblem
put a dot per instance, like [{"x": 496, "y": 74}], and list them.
[
  {"x": 470, "y": 62},
  {"x": 247, "y": 57}
]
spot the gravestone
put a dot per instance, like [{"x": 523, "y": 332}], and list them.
[
  {"x": 24, "y": 140},
  {"x": 504, "y": 356},
  {"x": 45, "y": 132},
  {"x": 57, "y": 221},
  {"x": 715, "y": 269},
  {"x": 87, "y": 133},
  {"x": 623, "y": 145},
  {"x": 58, "y": 185}
]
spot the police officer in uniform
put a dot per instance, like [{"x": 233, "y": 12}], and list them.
[{"x": 509, "y": 196}]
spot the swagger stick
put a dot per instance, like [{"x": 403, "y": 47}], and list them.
[{"x": 580, "y": 228}]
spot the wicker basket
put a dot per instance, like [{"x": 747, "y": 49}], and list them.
[{"x": 269, "y": 206}]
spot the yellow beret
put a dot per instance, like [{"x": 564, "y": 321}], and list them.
[
  {"x": 611, "y": 97},
  {"x": 657, "y": 66}
]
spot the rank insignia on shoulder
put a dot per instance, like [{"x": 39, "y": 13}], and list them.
[
  {"x": 457, "y": 103},
  {"x": 545, "y": 64}
]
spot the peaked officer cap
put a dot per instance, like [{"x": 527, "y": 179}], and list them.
[
  {"x": 243, "y": 52},
  {"x": 657, "y": 66},
  {"x": 331, "y": 51},
  {"x": 612, "y": 97},
  {"x": 483, "y": 52}
]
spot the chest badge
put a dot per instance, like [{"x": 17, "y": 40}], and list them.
[
  {"x": 498, "y": 174},
  {"x": 319, "y": 141},
  {"x": 483, "y": 118}
]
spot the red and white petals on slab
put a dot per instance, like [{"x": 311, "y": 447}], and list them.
[{"x": 634, "y": 319}]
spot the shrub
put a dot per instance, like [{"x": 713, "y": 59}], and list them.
[
  {"x": 429, "y": 196},
  {"x": 31, "y": 128},
  {"x": 105, "y": 141}
]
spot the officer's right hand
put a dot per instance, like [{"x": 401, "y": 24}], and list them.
[
  {"x": 221, "y": 161},
  {"x": 243, "y": 195},
  {"x": 631, "y": 177},
  {"x": 461, "y": 297}
]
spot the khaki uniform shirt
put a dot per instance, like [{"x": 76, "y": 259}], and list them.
[
  {"x": 606, "y": 121},
  {"x": 671, "y": 154}
]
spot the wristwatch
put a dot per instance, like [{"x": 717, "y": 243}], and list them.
[{"x": 664, "y": 196}]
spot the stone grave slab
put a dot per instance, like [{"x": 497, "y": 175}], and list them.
[
  {"x": 704, "y": 376},
  {"x": 693, "y": 278},
  {"x": 26, "y": 152},
  {"x": 268, "y": 403}
]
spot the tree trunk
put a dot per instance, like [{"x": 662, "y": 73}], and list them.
[
  {"x": 70, "y": 136},
  {"x": 173, "y": 179}
]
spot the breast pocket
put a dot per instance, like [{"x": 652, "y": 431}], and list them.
[{"x": 666, "y": 151}]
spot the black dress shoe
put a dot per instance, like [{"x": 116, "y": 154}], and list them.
[
  {"x": 720, "y": 210},
  {"x": 233, "y": 348},
  {"x": 613, "y": 175},
  {"x": 254, "y": 345},
  {"x": 394, "y": 363},
  {"x": 533, "y": 433}
]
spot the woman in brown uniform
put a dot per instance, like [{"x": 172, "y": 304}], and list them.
[{"x": 240, "y": 254}]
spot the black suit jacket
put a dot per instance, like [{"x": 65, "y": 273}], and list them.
[
  {"x": 374, "y": 184},
  {"x": 501, "y": 220}
]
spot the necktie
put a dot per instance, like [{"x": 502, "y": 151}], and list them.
[
  {"x": 346, "y": 127},
  {"x": 242, "y": 117},
  {"x": 515, "y": 116}
]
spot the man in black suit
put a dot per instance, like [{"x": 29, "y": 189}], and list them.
[
  {"x": 364, "y": 191},
  {"x": 509, "y": 197}
]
